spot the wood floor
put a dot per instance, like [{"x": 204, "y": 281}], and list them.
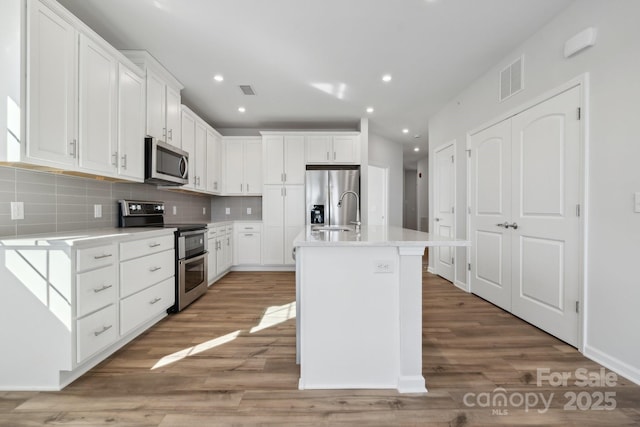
[{"x": 205, "y": 367}]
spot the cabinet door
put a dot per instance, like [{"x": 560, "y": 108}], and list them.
[
  {"x": 253, "y": 167},
  {"x": 221, "y": 258},
  {"x": 248, "y": 248},
  {"x": 156, "y": 107},
  {"x": 213, "y": 162},
  {"x": 273, "y": 146},
  {"x": 173, "y": 116},
  {"x": 318, "y": 148},
  {"x": 346, "y": 149},
  {"x": 272, "y": 224},
  {"x": 51, "y": 88},
  {"x": 189, "y": 144},
  {"x": 211, "y": 259},
  {"x": 294, "y": 164},
  {"x": 294, "y": 217},
  {"x": 200, "y": 157},
  {"x": 97, "y": 109},
  {"x": 228, "y": 240},
  {"x": 234, "y": 162},
  {"x": 130, "y": 124}
]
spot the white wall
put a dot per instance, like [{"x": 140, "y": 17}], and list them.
[
  {"x": 423, "y": 194},
  {"x": 612, "y": 287},
  {"x": 410, "y": 199},
  {"x": 388, "y": 154}
]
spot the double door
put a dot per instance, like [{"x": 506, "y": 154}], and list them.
[{"x": 524, "y": 220}]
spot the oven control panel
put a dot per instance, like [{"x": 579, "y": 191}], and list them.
[{"x": 137, "y": 208}]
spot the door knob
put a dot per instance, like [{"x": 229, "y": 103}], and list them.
[
  {"x": 514, "y": 226},
  {"x": 504, "y": 224},
  {"x": 437, "y": 219}
]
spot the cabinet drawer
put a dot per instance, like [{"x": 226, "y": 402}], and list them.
[
  {"x": 96, "y": 332},
  {"x": 141, "y": 273},
  {"x": 228, "y": 228},
  {"x": 212, "y": 232},
  {"x": 144, "y": 247},
  {"x": 249, "y": 227},
  {"x": 95, "y": 289},
  {"x": 95, "y": 257},
  {"x": 138, "y": 308}
]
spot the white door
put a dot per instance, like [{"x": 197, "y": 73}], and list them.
[
  {"x": 378, "y": 209},
  {"x": 253, "y": 166},
  {"x": 173, "y": 116},
  {"x": 189, "y": 144},
  {"x": 545, "y": 195},
  {"x": 344, "y": 149},
  {"x": 130, "y": 124},
  {"x": 294, "y": 164},
  {"x": 233, "y": 164},
  {"x": 97, "y": 109},
  {"x": 490, "y": 191},
  {"x": 213, "y": 161},
  {"x": 318, "y": 148},
  {"x": 273, "y": 224},
  {"x": 200, "y": 157},
  {"x": 525, "y": 228},
  {"x": 156, "y": 107},
  {"x": 444, "y": 189},
  {"x": 273, "y": 146},
  {"x": 293, "y": 218}
]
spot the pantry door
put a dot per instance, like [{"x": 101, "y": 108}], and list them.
[
  {"x": 545, "y": 198},
  {"x": 490, "y": 211},
  {"x": 443, "y": 222}
]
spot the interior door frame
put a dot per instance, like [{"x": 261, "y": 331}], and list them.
[
  {"x": 581, "y": 81},
  {"x": 385, "y": 172},
  {"x": 436, "y": 189}
]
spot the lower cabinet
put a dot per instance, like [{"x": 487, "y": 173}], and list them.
[
  {"x": 248, "y": 243},
  {"x": 220, "y": 246},
  {"x": 138, "y": 308},
  {"x": 96, "y": 331}
]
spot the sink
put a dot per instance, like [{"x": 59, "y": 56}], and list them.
[{"x": 331, "y": 228}]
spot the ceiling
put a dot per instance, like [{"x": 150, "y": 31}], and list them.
[{"x": 318, "y": 64}]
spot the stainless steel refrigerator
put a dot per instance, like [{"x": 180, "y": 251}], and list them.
[{"x": 323, "y": 189}]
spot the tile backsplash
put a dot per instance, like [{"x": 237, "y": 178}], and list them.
[
  {"x": 238, "y": 208},
  {"x": 54, "y": 202}
]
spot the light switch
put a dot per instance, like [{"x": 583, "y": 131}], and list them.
[
  {"x": 97, "y": 211},
  {"x": 175, "y": 210},
  {"x": 17, "y": 210},
  {"x": 637, "y": 203},
  {"x": 204, "y": 211}
]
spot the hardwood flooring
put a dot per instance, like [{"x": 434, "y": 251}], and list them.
[{"x": 205, "y": 367}]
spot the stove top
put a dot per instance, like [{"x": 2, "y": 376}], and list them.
[{"x": 136, "y": 213}]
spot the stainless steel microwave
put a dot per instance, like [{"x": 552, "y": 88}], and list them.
[{"x": 165, "y": 164}]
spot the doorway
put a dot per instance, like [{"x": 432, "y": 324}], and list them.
[
  {"x": 444, "y": 208},
  {"x": 410, "y": 211},
  {"x": 378, "y": 209}
]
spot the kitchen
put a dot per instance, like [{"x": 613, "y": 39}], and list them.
[{"x": 79, "y": 195}]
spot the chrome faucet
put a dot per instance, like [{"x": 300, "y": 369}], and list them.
[{"x": 357, "y": 221}]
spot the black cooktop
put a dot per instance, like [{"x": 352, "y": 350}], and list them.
[{"x": 136, "y": 213}]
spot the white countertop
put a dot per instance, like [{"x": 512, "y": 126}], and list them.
[
  {"x": 86, "y": 237},
  {"x": 374, "y": 236}
]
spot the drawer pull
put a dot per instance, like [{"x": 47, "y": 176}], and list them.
[
  {"x": 248, "y": 228},
  {"x": 152, "y": 269},
  {"x": 102, "y": 256},
  {"x": 103, "y": 288},
  {"x": 104, "y": 329},
  {"x": 155, "y": 300},
  {"x": 248, "y": 234},
  {"x": 154, "y": 245}
]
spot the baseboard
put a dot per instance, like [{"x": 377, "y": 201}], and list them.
[
  {"x": 431, "y": 270},
  {"x": 619, "y": 367},
  {"x": 461, "y": 285},
  {"x": 263, "y": 268}
]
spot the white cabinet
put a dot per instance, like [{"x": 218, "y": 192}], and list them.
[
  {"x": 220, "y": 247},
  {"x": 97, "y": 109},
  {"x": 283, "y": 158},
  {"x": 131, "y": 106},
  {"x": 333, "y": 149},
  {"x": 194, "y": 142},
  {"x": 283, "y": 218},
  {"x": 243, "y": 166},
  {"x": 51, "y": 88},
  {"x": 163, "y": 110},
  {"x": 188, "y": 138},
  {"x": 247, "y": 243},
  {"x": 214, "y": 161},
  {"x": 84, "y": 99},
  {"x": 147, "y": 280}
]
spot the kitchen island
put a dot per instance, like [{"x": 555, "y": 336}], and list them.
[{"x": 359, "y": 307}]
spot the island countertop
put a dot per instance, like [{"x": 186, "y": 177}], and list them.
[{"x": 374, "y": 235}]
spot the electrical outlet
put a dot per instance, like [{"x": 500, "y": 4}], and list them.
[
  {"x": 227, "y": 211},
  {"x": 204, "y": 211},
  {"x": 175, "y": 210},
  {"x": 97, "y": 211},
  {"x": 17, "y": 210},
  {"x": 383, "y": 266},
  {"x": 248, "y": 211}
]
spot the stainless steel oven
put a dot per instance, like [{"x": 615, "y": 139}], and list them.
[{"x": 191, "y": 267}]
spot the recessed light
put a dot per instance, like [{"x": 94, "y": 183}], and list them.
[
  {"x": 369, "y": 110},
  {"x": 405, "y": 130},
  {"x": 218, "y": 77},
  {"x": 242, "y": 109},
  {"x": 416, "y": 149},
  {"x": 386, "y": 78}
]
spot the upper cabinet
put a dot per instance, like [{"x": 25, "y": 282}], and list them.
[
  {"x": 243, "y": 166},
  {"x": 342, "y": 148},
  {"x": 52, "y": 62},
  {"x": 75, "y": 118},
  {"x": 283, "y": 157},
  {"x": 163, "y": 98},
  {"x": 214, "y": 161}
]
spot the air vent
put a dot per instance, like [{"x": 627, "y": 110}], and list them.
[
  {"x": 512, "y": 79},
  {"x": 247, "y": 90}
]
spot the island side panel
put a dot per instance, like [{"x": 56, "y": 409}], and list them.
[{"x": 349, "y": 324}]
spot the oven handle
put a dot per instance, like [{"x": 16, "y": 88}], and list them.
[
  {"x": 193, "y": 233},
  {"x": 195, "y": 258}
]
